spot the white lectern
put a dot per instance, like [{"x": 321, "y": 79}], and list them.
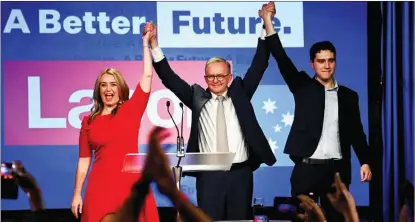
[{"x": 192, "y": 162}]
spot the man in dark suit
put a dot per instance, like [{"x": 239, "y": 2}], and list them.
[
  {"x": 223, "y": 120},
  {"x": 326, "y": 123}
]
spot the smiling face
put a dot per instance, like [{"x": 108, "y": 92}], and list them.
[
  {"x": 323, "y": 61},
  {"x": 217, "y": 75},
  {"x": 324, "y": 65},
  {"x": 109, "y": 90}
]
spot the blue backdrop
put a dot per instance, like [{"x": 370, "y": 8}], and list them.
[{"x": 27, "y": 36}]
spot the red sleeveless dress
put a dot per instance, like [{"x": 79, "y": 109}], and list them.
[{"x": 110, "y": 138}]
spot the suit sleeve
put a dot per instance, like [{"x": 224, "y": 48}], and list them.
[
  {"x": 173, "y": 82},
  {"x": 84, "y": 148},
  {"x": 289, "y": 72},
  {"x": 257, "y": 69},
  {"x": 359, "y": 141}
]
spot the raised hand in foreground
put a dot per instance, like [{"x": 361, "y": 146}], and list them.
[
  {"x": 313, "y": 212},
  {"x": 343, "y": 201}
]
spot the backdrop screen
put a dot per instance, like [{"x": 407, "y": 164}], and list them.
[{"x": 52, "y": 53}]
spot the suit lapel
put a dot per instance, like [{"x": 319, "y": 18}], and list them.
[{"x": 203, "y": 99}]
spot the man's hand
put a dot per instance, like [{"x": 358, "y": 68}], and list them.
[
  {"x": 270, "y": 7},
  {"x": 365, "y": 173},
  {"x": 267, "y": 12}
]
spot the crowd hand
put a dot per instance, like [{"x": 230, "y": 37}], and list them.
[
  {"x": 313, "y": 212},
  {"x": 365, "y": 173},
  {"x": 76, "y": 205},
  {"x": 29, "y": 185},
  {"x": 157, "y": 165},
  {"x": 404, "y": 215},
  {"x": 342, "y": 200},
  {"x": 24, "y": 179}
]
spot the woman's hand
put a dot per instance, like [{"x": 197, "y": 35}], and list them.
[{"x": 76, "y": 205}]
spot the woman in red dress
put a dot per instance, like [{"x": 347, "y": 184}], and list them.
[{"x": 110, "y": 132}]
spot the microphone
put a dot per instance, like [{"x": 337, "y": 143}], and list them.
[
  {"x": 181, "y": 134},
  {"x": 178, "y": 134}
]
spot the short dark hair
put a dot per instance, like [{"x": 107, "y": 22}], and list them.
[{"x": 319, "y": 46}]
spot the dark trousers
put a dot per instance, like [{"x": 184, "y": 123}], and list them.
[
  {"x": 226, "y": 195},
  {"x": 318, "y": 180}
]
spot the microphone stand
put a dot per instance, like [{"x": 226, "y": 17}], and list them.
[{"x": 178, "y": 170}]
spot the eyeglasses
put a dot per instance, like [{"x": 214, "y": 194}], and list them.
[{"x": 219, "y": 77}]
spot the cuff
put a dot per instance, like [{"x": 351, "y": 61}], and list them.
[
  {"x": 157, "y": 54},
  {"x": 263, "y": 34},
  {"x": 271, "y": 34}
]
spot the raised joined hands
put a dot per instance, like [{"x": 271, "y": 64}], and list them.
[
  {"x": 149, "y": 32},
  {"x": 267, "y": 11}
]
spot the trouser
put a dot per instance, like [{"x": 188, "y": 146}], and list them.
[{"x": 226, "y": 195}]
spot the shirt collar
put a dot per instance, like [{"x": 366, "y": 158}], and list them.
[
  {"x": 225, "y": 95},
  {"x": 335, "y": 87}
]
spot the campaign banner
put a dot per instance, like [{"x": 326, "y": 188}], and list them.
[
  {"x": 46, "y": 100},
  {"x": 221, "y": 25}
]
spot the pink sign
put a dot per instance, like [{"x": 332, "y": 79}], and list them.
[{"x": 44, "y": 101}]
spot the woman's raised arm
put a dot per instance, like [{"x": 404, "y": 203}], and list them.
[{"x": 147, "y": 76}]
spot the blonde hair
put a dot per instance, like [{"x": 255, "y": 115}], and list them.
[
  {"x": 216, "y": 60},
  {"x": 123, "y": 90}
]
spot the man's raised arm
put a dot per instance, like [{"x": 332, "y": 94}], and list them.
[
  {"x": 289, "y": 72},
  {"x": 168, "y": 77},
  {"x": 260, "y": 61}
]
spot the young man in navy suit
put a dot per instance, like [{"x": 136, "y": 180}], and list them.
[{"x": 326, "y": 123}]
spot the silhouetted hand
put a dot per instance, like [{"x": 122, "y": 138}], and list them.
[
  {"x": 313, "y": 212},
  {"x": 157, "y": 166},
  {"x": 24, "y": 179},
  {"x": 29, "y": 185},
  {"x": 342, "y": 200}
]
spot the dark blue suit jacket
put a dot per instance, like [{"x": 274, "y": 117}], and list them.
[
  {"x": 309, "y": 96},
  {"x": 240, "y": 91}
]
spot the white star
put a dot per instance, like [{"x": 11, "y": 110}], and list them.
[
  {"x": 269, "y": 106},
  {"x": 273, "y": 145},
  {"x": 277, "y": 128},
  {"x": 287, "y": 119}
]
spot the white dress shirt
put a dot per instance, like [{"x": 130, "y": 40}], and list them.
[
  {"x": 329, "y": 144},
  {"x": 207, "y": 129}
]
